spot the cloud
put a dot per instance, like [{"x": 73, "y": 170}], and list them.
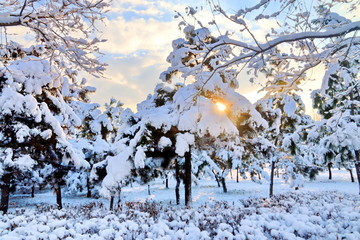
[
  {"x": 139, "y": 36},
  {"x": 131, "y": 78},
  {"x": 127, "y": 37}
]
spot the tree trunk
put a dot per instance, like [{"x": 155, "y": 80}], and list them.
[
  {"x": 259, "y": 175},
  {"x": 112, "y": 203},
  {"x": 33, "y": 191},
  {"x": 187, "y": 180},
  {"x": 223, "y": 183},
  {"x": 216, "y": 178},
  {"x": 231, "y": 174},
  {"x": 149, "y": 193},
  {"x": 357, "y": 167},
  {"x": 5, "y": 192},
  {"x": 277, "y": 173},
  {"x": 167, "y": 182},
  {"x": 88, "y": 195},
  {"x": 272, "y": 178},
  {"x": 57, "y": 190},
  {"x": 351, "y": 175},
  {"x": 329, "y": 168},
  {"x": 237, "y": 174},
  {"x": 119, "y": 198},
  {"x": 178, "y": 180}
]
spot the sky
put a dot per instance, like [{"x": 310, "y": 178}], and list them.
[{"x": 139, "y": 34}]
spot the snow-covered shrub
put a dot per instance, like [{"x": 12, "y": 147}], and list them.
[{"x": 326, "y": 215}]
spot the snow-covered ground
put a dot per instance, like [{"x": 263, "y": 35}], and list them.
[{"x": 322, "y": 209}]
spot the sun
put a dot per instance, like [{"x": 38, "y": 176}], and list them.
[{"x": 221, "y": 107}]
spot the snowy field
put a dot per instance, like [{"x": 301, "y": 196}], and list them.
[{"x": 322, "y": 209}]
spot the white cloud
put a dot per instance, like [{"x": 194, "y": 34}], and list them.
[
  {"x": 130, "y": 79},
  {"x": 126, "y": 37},
  {"x": 136, "y": 49}
]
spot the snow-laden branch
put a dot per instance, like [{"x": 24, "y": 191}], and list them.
[
  {"x": 256, "y": 7},
  {"x": 263, "y": 47},
  {"x": 252, "y": 51},
  {"x": 341, "y": 31},
  {"x": 53, "y": 22}
]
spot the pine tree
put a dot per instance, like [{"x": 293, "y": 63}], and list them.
[
  {"x": 34, "y": 117},
  {"x": 285, "y": 113},
  {"x": 195, "y": 102},
  {"x": 337, "y": 104},
  {"x": 144, "y": 143},
  {"x": 93, "y": 140}
]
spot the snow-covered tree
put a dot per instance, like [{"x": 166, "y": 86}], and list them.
[
  {"x": 338, "y": 105},
  {"x": 284, "y": 111},
  {"x": 63, "y": 32},
  {"x": 93, "y": 139},
  {"x": 235, "y": 129},
  {"x": 173, "y": 123},
  {"x": 144, "y": 142},
  {"x": 33, "y": 117}
]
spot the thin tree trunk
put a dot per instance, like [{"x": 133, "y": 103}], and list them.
[
  {"x": 5, "y": 193},
  {"x": 167, "y": 182},
  {"x": 178, "y": 180},
  {"x": 277, "y": 173},
  {"x": 259, "y": 175},
  {"x": 216, "y": 178},
  {"x": 57, "y": 190},
  {"x": 223, "y": 183},
  {"x": 187, "y": 180},
  {"x": 149, "y": 193},
  {"x": 272, "y": 178},
  {"x": 329, "y": 168},
  {"x": 357, "y": 167},
  {"x": 237, "y": 174},
  {"x": 351, "y": 175},
  {"x": 88, "y": 195},
  {"x": 112, "y": 203},
  {"x": 33, "y": 191},
  {"x": 231, "y": 174},
  {"x": 119, "y": 198}
]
